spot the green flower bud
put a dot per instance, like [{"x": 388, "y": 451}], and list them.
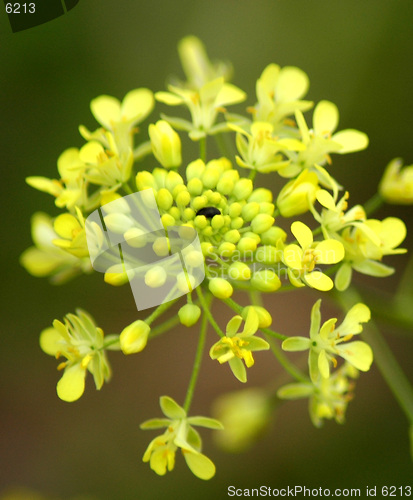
[
  {"x": 226, "y": 249},
  {"x": 207, "y": 248},
  {"x": 135, "y": 237},
  {"x": 185, "y": 282},
  {"x": 189, "y": 314},
  {"x": 239, "y": 271},
  {"x": 183, "y": 198},
  {"x": 161, "y": 246},
  {"x": 254, "y": 236},
  {"x": 261, "y": 195},
  {"x": 265, "y": 281},
  {"x": 117, "y": 276},
  {"x": 172, "y": 180},
  {"x": 118, "y": 223},
  {"x": 220, "y": 288},
  {"x": 200, "y": 222},
  {"x": 247, "y": 245},
  {"x": 232, "y": 236},
  {"x": 167, "y": 220},
  {"x": 217, "y": 222},
  {"x": 235, "y": 210},
  {"x": 242, "y": 189},
  {"x": 175, "y": 212},
  {"x": 195, "y": 170},
  {"x": 237, "y": 223},
  {"x": 166, "y": 144},
  {"x": 250, "y": 210},
  {"x": 273, "y": 234},
  {"x": 264, "y": 317},
  {"x": 261, "y": 223},
  {"x": 195, "y": 186},
  {"x": 225, "y": 186},
  {"x": 267, "y": 254},
  {"x": 134, "y": 337},
  {"x": 211, "y": 177},
  {"x": 267, "y": 208},
  {"x": 189, "y": 214},
  {"x": 164, "y": 199},
  {"x": 199, "y": 202},
  {"x": 155, "y": 277}
]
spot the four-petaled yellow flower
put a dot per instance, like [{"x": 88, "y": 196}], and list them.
[
  {"x": 327, "y": 342},
  {"x": 179, "y": 433},
  {"x": 81, "y": 342},
  {"x": 302, "y": 260},
  {"x": 236, "y": 347}
]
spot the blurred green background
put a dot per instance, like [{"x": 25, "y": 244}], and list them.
[{"x": 357, "y": 54}]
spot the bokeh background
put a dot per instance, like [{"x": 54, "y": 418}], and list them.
[{"x": 357, "y": 54}]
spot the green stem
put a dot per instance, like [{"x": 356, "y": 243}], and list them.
[
  {"x": 252, "y": 175},
  {"x": 206, "y": 308},
  {"x": 285, "y": 362},
  {"x": 160, "y": 310},
  {"x": 373, "y": 204},
  {"x": 164, "y": 327},
  {"x": 202, "y": 149},
  {"x": 385, "y": 360},
  {"x": 197, "y": 364}
]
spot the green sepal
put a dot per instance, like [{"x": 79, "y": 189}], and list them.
[
  {"x": 171, "y": 409},
  {"x": 155, "y": 423},
  {"x": 209, "y": 423}
]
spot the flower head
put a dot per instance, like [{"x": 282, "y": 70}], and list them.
[
  {"x": 301, "y": 259},
  {"x": 179, "y": 433},
  {"x": 328, "y": 397},
  {"x": 237, "y": 347},
  {"x": 80, "y": 341},
  {"x": 329, "y": 341},
  {"x": 396, "y": 185}
]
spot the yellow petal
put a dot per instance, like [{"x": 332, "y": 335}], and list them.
[
  {"x": 293, "y": 256},
  {"x": 137, "y": 105},
  {"x": 90, "y": 152},
  {"x": 325, "y": 199},
  {"x": 302, "y": 233},
  {"x": 329, "y": 252},
  {"x": 358, "y": 353},
  {"x": 65, "y": 225},
  {"x": 325, "y": 118},
  {"x": 72, "y": 385},
  {"x": 351, "y": 140},
  {"x": 50, "y": 341},
  {"x": 106, "y": 110},
  {"x": 200, "y": 465},
  {"x": 319, "y": 281},
  {"x": 323, "y": 365},
  {"x": 292, "y": 84}
]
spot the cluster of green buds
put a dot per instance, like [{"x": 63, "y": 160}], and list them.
[{"x": 250, "y": 246}]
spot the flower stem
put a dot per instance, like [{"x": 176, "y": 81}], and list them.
[
  {"x": 285, "y": 362},
  {"x": 385, "y": 360},
  {"x": 207, "y": 312},
  {"x": 373, "y": 204},
  {"x": 202, "y": 149},
  {"x": 160, "y": 310},
  {"x": 197, "y": 364}
]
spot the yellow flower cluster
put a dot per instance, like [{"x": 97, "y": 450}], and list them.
[{"x": 247, "y": 243}]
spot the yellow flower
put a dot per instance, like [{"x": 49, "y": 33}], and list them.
[
  {"x": 298, "y": 195},
  {"x": 47, "y": 259},
  {"x": 81, "y": 343},
  {"x": 72, "y": 234},
  {"x": 396, "y": 185},
  {"x": 328, "y": 397},
  {"x": 279, "y": 91},
  {"x": 204, "y": 106},
  {"x": 321, "y": 140},
  {"x": 302, "y": 260},
  {"x": 260, "y": 151},
  {"x": 235, "y": 347},
  {"x": 120, "y": 118},
  {"x": 166, "y": 144},
  {"x": 179, "y": 433},
  {"x": 328, "y": 341}
]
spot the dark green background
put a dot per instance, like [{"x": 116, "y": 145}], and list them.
[{"x": 357, "y": 54}]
